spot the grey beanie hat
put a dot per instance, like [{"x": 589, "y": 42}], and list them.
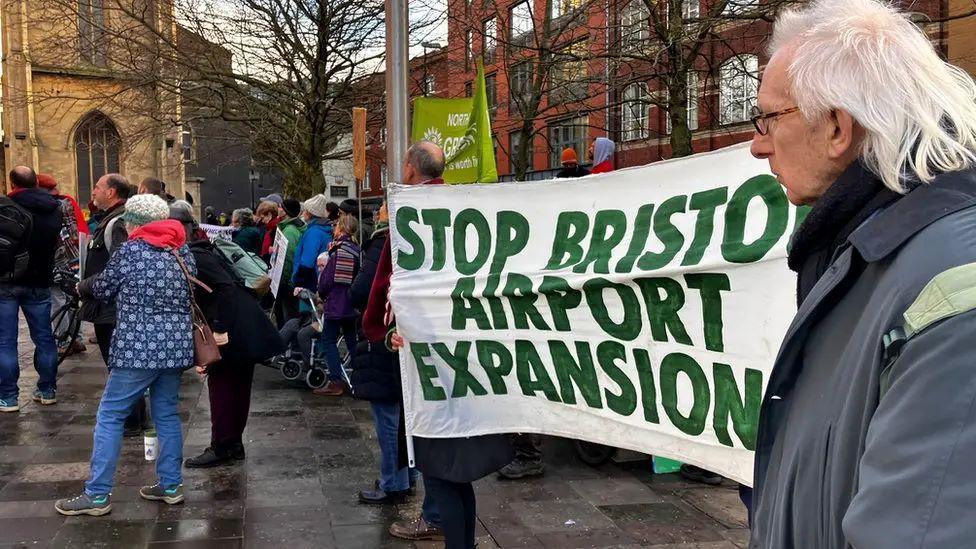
[
  {"x": 316, "y": 205},
  {"x": 145, "y": 208}
]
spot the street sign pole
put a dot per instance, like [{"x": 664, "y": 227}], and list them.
[{"x": 397, "y": 104}]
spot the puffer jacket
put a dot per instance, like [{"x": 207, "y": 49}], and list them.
[{"x": 314, "y": 242}]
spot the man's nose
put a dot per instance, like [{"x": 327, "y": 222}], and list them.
[{"x": 762, "y": 147}]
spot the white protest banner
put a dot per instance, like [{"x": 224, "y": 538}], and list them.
[
  {"x": 216, "y": 231},
  {"x": 278, "y": 254},
  {"x": 640, "y": 309}
]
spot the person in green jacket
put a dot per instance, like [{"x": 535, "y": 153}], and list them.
[{"x": 292, "y": 226}]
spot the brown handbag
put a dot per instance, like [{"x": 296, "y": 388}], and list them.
[{"x": 205, "y": 348}]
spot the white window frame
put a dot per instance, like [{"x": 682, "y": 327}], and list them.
[
  {"x": 490, "y": 30},
  {"x": 737, "y": 7},
  {"x": 691, "y": 9},
  {"x": 580, "y": 127},
  {"x": 366, "y": 184},
  {"x": 635, "y": 112},
  {"x": 738, "y": 88},
  {"x": 635, "y": 26},
  {"x": 521, "y": 24},
  {"x": 429, "y": 85},
  {"x": 692, "y": 84},
  {"x": 564, "y": 7}
]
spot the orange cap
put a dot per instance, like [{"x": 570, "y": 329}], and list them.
[{"x": 569, "y": 156}]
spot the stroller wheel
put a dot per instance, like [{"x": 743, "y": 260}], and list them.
[
  {"x": 316, "y": 378},
  {"x": 291, "y": 370}
]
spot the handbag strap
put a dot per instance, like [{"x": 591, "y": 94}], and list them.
[{"x": 190, "y": 281}]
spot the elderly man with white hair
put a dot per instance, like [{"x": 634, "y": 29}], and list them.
[{"x": 867, "y": 433}]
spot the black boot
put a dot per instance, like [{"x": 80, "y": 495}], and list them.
[
  {"x": 209, "y": 458},
  {"x": 236, "y": 451}
]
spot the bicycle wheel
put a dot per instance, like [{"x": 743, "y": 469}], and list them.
[{"x": 67, "y": 324}]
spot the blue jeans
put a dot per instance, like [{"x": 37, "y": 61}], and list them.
[
  {"x": 386, "y": 419},
  {"x": 36, "y": 304},
  {"x": 123, "y": 388},
  {"x": 330, "y": 343}
]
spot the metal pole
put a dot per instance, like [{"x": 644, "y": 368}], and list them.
[{"x": 396, "y": 88}]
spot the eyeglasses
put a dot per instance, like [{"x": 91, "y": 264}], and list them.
[{"x": 761, "y": 120}]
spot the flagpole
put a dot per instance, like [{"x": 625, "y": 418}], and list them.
[{"x": 396, "y": 88}]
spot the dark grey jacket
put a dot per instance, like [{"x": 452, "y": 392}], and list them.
[
  {"x": 94, "y": 310},
  {"x": 837, "y": 464}
]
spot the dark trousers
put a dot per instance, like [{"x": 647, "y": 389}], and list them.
[
  {"x": 458, "y": 512},
  {"x": 137, "y": 417},
  {"x": 528, "y": 448},
  {"x": 286, "y": 305},
  {"x": 331, "y": 329},
  {"x": 229, "y": 386}
]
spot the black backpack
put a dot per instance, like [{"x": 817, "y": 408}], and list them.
[{"x": 16, "y": 224}]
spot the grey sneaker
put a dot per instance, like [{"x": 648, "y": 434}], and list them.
[
  {"x": 156, "y": 492},
  {"x": 84, "y": 504},
  {"x": 521, "y": 468},
  {"x": 9, "y": 405},
  {"x": 46, "y": 398}
]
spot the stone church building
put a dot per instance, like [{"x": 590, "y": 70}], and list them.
[{"x": 83, "y": 94}]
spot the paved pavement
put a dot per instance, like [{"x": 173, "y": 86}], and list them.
[{"x": 307, "y": 457}]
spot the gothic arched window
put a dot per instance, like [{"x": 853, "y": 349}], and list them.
[{"x": 97, "y": 144}]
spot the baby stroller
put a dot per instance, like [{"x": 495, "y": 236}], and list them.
[{"x": 315, "y": 374}]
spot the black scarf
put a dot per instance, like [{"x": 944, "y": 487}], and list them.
[{"x": 846, "y": 204}]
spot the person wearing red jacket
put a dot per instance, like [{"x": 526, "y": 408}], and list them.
[
  {"x": 49, "y": 184},
  {"x": 601, "y": 152}
]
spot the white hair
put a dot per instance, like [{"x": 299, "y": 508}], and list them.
[{"x": 866, "y": 58}]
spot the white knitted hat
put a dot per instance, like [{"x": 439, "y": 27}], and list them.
[
  {"x": 316, "y": 205},
  {"x": 145, "y": 208}
]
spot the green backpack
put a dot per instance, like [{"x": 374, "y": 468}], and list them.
[{"x": 250, "y": 269}]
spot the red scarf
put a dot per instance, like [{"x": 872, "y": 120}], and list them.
[{"x": 168, "y": 233}]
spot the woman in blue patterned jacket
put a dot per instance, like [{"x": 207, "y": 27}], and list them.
[{"x": 151, "y": 346}]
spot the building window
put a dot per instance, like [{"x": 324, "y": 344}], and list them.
[
  {"x": 692, "y": 100},
  {"x": 428, "y": 85},
  {"x": 569, "y": 81},
  {"x": 521, "y": 87},
  {"x": 491, "y": 91},
  {"x": 738, "y": 7},
  {"x": 565, "y": 7},
  {"x": 188, "y": 142},
  {"x": 97, "y": 144},
  {"x": 691, "y": 9},
  {"x": 366, "y": 184},
  {"x": 514, "y": 146},
  {"x": 635, "y": 112},
  {"x": 521, "y": 22},
  {"x": 567, "y": 133},
  {"x": 738, "y": 86},
  {"x": 91, "y": 33},
  {"x": 468, "y": 89},
  {"x": 635, "y": 26},
  {"x": 489, "y": 30},
  {"x": 384, "y": 177},
  {"x": 468, "y": 49}
]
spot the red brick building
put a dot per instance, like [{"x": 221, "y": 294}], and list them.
[
  {"x": 612, "y": 91},
  {"x": 625, "y": 96}
]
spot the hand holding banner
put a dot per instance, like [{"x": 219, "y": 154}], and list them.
[{"x": 640, "y": 309}]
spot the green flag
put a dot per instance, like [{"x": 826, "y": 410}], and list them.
[{"x": 462, "y": 128}]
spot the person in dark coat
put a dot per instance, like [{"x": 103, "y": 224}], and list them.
[
  {"x": 109, "y": 194},
  {"x": 571, "y": 166},
  {"x": 449, "y": 465},
  {"x": 248, "y": 235},
  {"x": 246, "y": 337},
  {"x": 30, "y": 293},
  {"x": 376, "y": 378},
  {"x": 867, "y": 429}
]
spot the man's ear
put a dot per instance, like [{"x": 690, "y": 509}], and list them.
[{"x": 842, "y": 132}]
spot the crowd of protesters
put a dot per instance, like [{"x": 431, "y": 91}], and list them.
[{"x": 885, "y": 159}]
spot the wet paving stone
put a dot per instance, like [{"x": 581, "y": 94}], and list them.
[{"x": 307, "y": 459}]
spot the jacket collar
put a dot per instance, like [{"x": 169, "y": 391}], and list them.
[{"x": 891, "y": 227}]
